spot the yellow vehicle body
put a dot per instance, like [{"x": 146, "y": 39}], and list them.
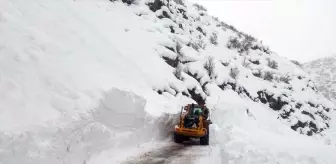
[
  {"x": 191, "y": 132},
  {"x": 198, "y": 128}
]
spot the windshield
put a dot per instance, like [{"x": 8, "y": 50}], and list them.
[{"x": 197, "y": 111}]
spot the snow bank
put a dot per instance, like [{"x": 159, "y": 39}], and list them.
[
  {"x": 121, "y": 110},
  {"x": 119, "y": 122},
  {"x": 248, "y": 133}
]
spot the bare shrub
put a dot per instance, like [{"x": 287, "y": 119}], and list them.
[
  {"x": 276, "y": 78},
  {"x": 234, "y": 72},
  {"x": 226, "y": 26},
  {"x": 215, "y": 18},
  {"x": 180, "y": 2},
  {"x": 201, "y": 44},
  {"x": 240, "y": 35},
  {"x": 209, "y": 65},
  {"x": 268, "y": 76},
  {"x": 233, "y": 43},
  {"x": 250, "y": 38},
  {"x": 178, "y": 48},
  {"x": 246, "y": 45},
  {"x": 272, "y": 64},
  {"x": 285, "y": 79},
  {"x": 296, "y": 63},
  {"x": 201, "y": 30},
  {"x": 256, "y": 62},
  {"x": 266, "y": 50},
  {"x": 258, "y": 73},
  {"x": 195, "y": 46},
  {"x": 178, "y": 72},
  {"x": 226, "y": 63},
  {"x": 214, "y": 39},
  {"x": 129, "y": 2},
  {"x": 246, "y": 63}
]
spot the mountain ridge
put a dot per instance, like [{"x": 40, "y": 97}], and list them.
[{"x": 323, "y": 70}]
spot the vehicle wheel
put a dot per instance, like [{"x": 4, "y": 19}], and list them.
[
  {"x": 178, "y": 138},
  {"x": 205, "y": 140}
]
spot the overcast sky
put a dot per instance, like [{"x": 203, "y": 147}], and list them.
[{"x": 302, "y": 30}]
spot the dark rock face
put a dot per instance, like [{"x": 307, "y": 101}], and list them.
[
  {"x": 156, "y": 5},
  {"x": 274, "y": 103},
  {"x": 171, "y": 62},
  {"x": 310, "y": 124},
  {"x": 195, "y": 96},
  {"x": 277, "y": 104}
]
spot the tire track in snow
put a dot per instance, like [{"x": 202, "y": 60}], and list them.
[{"x": 186, "y": 153}]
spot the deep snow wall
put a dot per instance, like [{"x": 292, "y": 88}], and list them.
[{"x": 120, "y": 121}]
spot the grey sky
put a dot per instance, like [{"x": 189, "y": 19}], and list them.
[{"x": 302, "y": 30}]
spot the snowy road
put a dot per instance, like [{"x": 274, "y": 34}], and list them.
[{"x": 186, "y": 153}]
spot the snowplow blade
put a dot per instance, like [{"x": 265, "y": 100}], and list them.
[{"x": 190, "y": 132}]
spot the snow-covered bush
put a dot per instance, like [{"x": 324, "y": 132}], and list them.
[
  {"x": 257, "y": 73},
  {"x": 209, "y": 65},
  {"x": 268, "y": 76},
  {"x": 180, "y": 2},
  {"x": 246, "y": 63},
  {"x": 178, "y": 48},
  {"x": 129, "y": 2},
  {"x": 234, "y": 72},
  {"x": 272, "y": 64},
  {"x": 214, "y": 39},
  {"x": 200, "y": 7}
]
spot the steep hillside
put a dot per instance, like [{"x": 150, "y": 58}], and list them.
[
  {"x": 82, "y": 80},
  {"x": 217, "y": 55},
  {"x": 324, "y": 73}
]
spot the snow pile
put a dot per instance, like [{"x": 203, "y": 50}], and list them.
[
  {"x": 324, "y": 73},
  {"x": 119, "y": 122},
  {"x": 60, "y": 60},
  {"x": 246, "y": 134}
]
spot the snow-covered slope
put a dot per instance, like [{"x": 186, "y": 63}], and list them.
[
  {"x": 324, "y": 73},
  {"x": 60, "y": 62}
]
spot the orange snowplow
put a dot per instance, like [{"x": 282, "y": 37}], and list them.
[{"x": 193, "y": 123}]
